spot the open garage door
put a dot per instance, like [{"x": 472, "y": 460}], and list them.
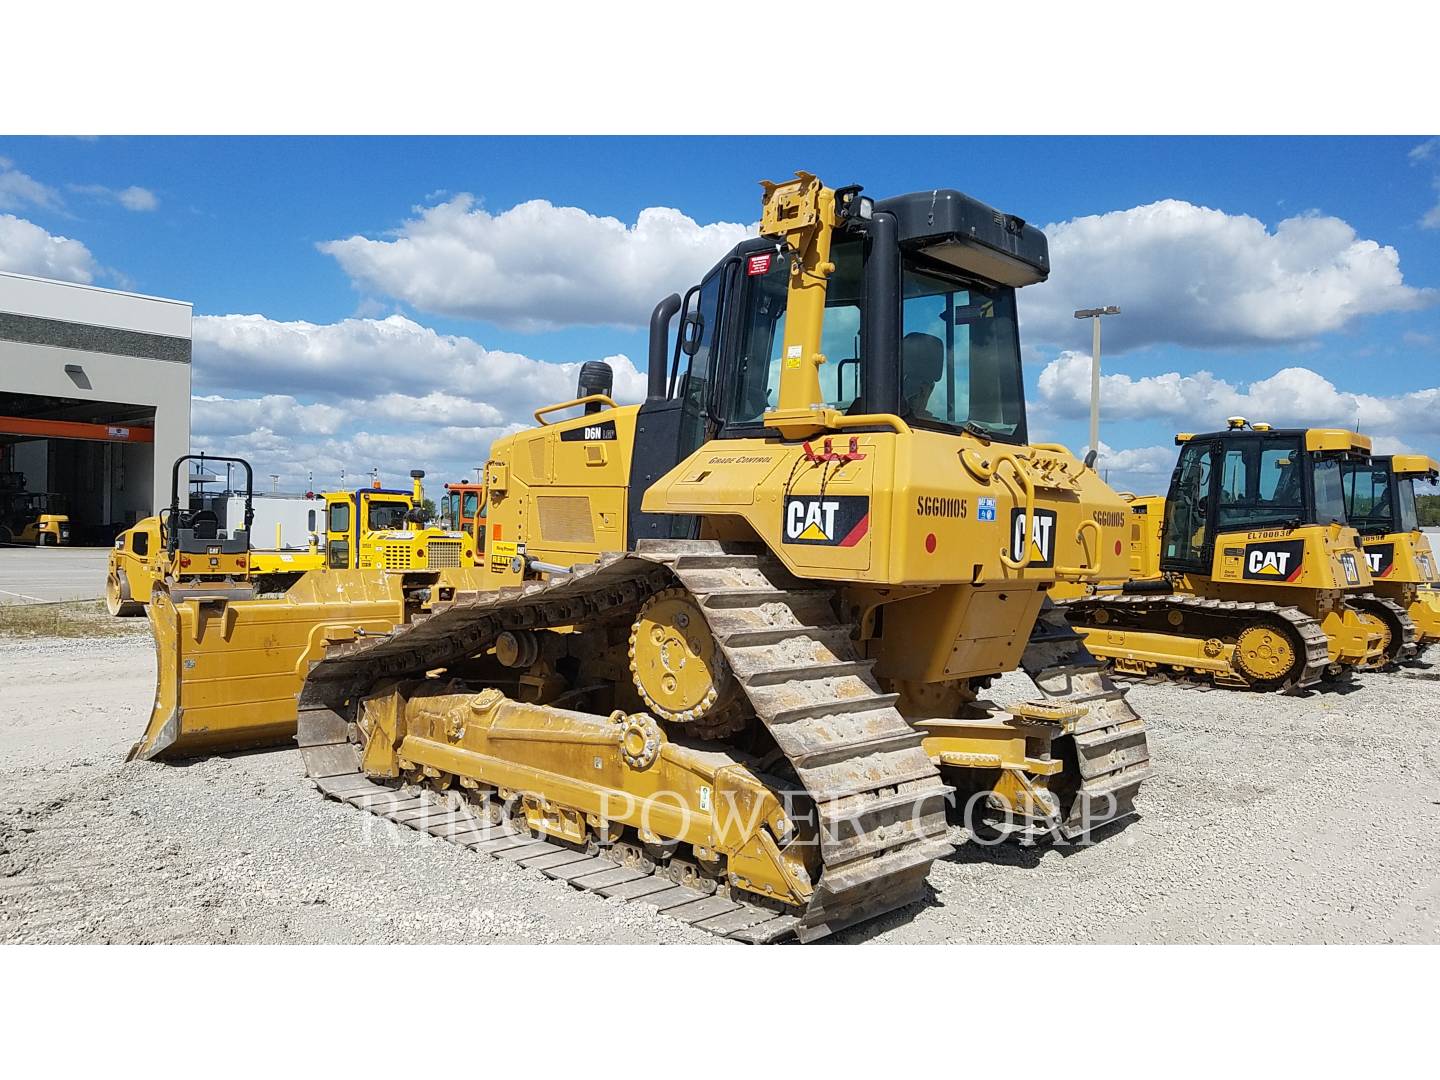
[{"x": 95, "y": 460}]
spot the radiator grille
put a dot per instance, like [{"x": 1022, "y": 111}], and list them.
[
  {"x": 566, "y": 518},
  {"x": 537, "y": 459},
  {"x": 396, "y": 556},
  {"x": 445, "y": 554}
]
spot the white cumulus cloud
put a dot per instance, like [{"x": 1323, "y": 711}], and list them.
[
  {"x": 299, "y": 398},
  {"x": 1145, "y": 470},
  {"x": 26, "y": 248},
  {"x": 1293, "y": 396},
  {"x": 536, "y": 266},
  {"x": 1195, "y": 276}
]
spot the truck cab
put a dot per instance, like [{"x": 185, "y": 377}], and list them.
[{"x": 384, "y": 528}]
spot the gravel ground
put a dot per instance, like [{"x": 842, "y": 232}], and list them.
[{"x": 1271, "y": 820}]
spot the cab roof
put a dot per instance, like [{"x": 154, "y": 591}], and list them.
[
  {"x": 1325, "y": 440},
  {"x": 1414, "y": 465}
]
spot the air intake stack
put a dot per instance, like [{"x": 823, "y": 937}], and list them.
[{"x": 596, "y": 377}]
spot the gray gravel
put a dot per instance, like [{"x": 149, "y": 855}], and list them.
[{"x": 1272, "y": 820}]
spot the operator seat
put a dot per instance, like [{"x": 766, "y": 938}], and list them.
[
  {"x": 205, "y": 525},
  {"x": 922, "y": 363}
]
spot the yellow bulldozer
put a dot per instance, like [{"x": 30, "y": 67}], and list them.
[
  {"x": 1247, "y": 574},
  {"x": 364, "y": 528},
  {"x": 1380, "y": 503},
  {"x": 724, "y": 651}
]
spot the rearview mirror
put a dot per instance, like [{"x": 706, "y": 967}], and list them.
[{"x": 691, "y": 330}]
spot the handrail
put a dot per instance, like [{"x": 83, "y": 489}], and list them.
[
  {"x": 603, "y": 399},
  {"x": 1082, "y": 570},
  {"x": 1004, "y": 457},
  {"x": 834, "y": 418}
]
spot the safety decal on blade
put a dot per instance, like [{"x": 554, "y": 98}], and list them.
[
  {"x": 1275, "y": 561},
  {"x": 831, "y": 520},
  {"x": 1381, "y": 558},
  {"x": 1042, "y": 536}
]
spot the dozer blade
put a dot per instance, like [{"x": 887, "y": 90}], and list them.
[{"x": 228, "y": 673}]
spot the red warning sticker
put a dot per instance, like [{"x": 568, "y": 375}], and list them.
[{"x": 758, "y": 264}]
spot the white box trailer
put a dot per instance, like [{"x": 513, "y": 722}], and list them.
[{"x": 281, "y": 523}]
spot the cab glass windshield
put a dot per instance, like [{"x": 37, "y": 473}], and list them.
[
  {"x": 959, "y": 354},
  {"x": 386, "y": 515},
  {"x": 1262, "y": 482},
  {"x": 1367, "y": 497}
]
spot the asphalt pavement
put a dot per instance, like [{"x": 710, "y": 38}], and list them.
[{"x": 31, "y": 575}]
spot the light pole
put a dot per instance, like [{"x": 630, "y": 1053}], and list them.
[{"x": 1094, "y": 314}]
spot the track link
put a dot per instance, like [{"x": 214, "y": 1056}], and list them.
[
  {"x": 1236, "y": 612},
  {"x": 879, "y": 800},
  {"x": 1112, "y": 749}
]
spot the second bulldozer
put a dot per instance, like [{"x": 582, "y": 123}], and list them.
[
  {"x": 724, "y": 650},
  {"x": 1380, "y": 503},
  {"x": 1246, "y": 575}
]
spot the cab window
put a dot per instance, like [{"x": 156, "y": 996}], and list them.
[
  {"x": 756, "y": 388},
  {"x": 386, "y": 515},
  {"x": 339, "y": 517},
  {"x": 959, "y": 354},
  {"x": 1262, "y": 482}
]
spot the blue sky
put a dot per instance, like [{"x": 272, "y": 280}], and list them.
[{"x": 1294, "y": 278}]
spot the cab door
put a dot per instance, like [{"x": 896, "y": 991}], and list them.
[
  {"x": 1190, "y": 511},
  {"x": 339, "y": 532}
]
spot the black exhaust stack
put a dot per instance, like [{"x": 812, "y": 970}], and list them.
[{"x": 659, "y": 340}]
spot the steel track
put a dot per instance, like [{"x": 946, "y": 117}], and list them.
[
  {"x": 1312, "y": 638},
  {"x": 879, "y": 800}
]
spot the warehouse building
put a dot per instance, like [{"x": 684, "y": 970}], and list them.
[{"x": 94, "y": 402}]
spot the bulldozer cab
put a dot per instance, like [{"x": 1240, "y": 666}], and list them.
[
  {"x": 845, "y": 314},
  {"x": 1252, "y": 480},
  {"x": 1380, "y": 492}
]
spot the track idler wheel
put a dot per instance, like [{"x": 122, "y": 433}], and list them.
[{"x": 679, "y": 670}]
